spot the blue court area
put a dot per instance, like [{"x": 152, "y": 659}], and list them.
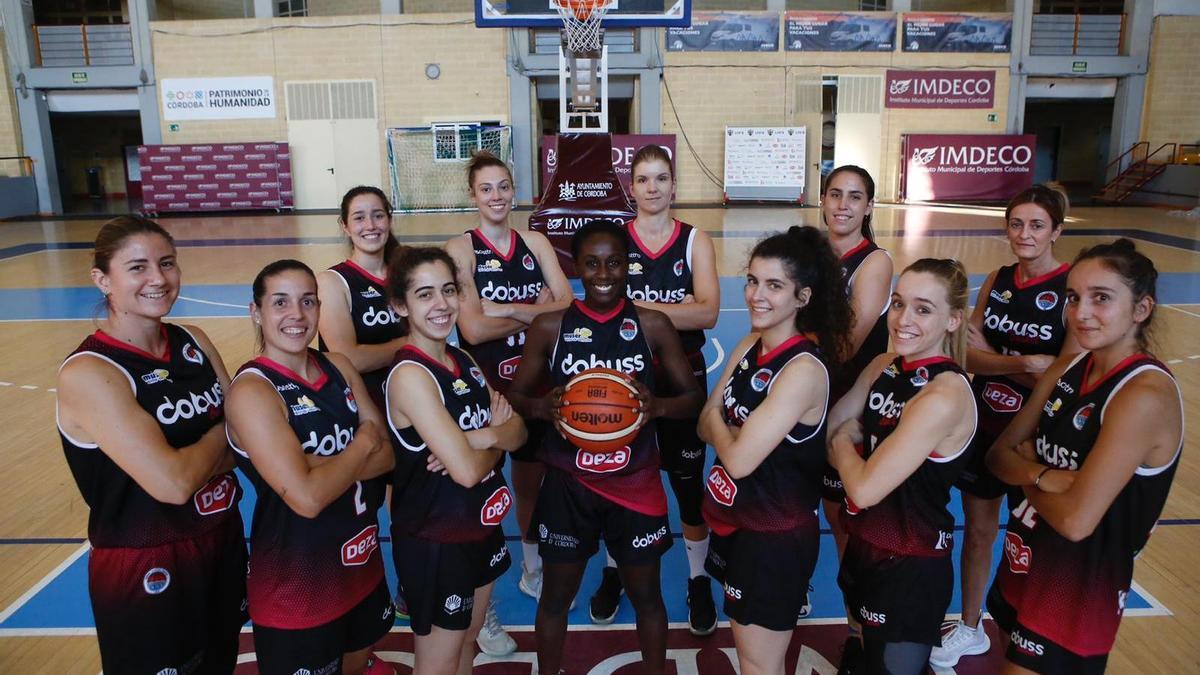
[{"x": 60, "y": 604}]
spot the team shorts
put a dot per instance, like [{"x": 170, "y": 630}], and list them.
[
  {"x": 1029, "y": 649},
  {"x": 681, "y": 452},
  {"x": 976, "y": 478},
  {"x": 178, "y": 607},
  {"x": 765, "y": 574},
  {"x": 439, "y": 578},
  {"x": 896, "y": 598},
  {"x": 320, "y": 649},
  {"x": 569, "y": 521},
  {"x": 529, "y": 451}
]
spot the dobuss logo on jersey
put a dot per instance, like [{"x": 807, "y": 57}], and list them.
[{"x": 968, "y": 167}]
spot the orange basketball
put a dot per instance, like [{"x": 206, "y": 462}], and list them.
[{"x": 600, "y": 410}]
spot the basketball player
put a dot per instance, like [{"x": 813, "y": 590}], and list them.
[
  {"x": 902, "y": 436},
  {"x": 446, "y": 539},
  {"x": 764, "y": 489},
  {"x": 141, "y": 416},
  {"x": 507, "y": 277},
  {"x": 1017, "y": 330},
  {"x": 585, "y": 495},
  {"x": 309, "y": 439},
  {"x": 673, "y": 269},
  {"x": 356, "y": 320},
  {"x": 1094, "y": 452},
  {"x": 847, "y": 204}
]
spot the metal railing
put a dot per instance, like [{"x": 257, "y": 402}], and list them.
[
  {"x": 1077, "y": 35},
  {"x": 84, "y": 45}
]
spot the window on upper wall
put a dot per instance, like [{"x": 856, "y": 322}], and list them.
[
  {"x": 292, "y": 8},
  {"x": 190, "y": 10},
  {"x": 431, "y": 6},
  {"x": 1081, "y": 7},
  {"x": 717, "y": 5},
  {"x": 78, "y": 12}
]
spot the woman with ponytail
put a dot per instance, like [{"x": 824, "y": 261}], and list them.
[
  {"x": 356, "y": 320},
  {"x": 902, "y": 434},
  {"x": 766, "y": 421},
  {"x": 1094, "y": 453},
  {"x": 1018, "y": 328}
]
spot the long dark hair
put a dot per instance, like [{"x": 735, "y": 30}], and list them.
[
  {"x": 1137, "y": 272},
  {"x": 389, "y": 247},
  {"x": 869, "y": 182},
  {"x": 400, "y": 270},
  {"x": 810, "y": 262},
  {"x": 259, "y": 288}
]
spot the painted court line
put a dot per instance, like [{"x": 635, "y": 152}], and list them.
[
  {"x": 1184, "y": 311},
  {"x": 213, "y": 302},
  {"x": 44, "y": 582}
]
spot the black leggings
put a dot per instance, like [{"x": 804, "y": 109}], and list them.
[{"x": 689, "y": 493}]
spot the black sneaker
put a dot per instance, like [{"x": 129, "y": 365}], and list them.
[
  {"x": 702, "y": 613},
  {"x": 603, "y": 607},
  {"x": 853, "y": 657}
]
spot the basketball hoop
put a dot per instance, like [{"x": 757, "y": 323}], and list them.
[{"x": 581, "y": 23}]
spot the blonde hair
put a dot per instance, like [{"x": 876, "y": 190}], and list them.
[{"x": 954, "y": 278}]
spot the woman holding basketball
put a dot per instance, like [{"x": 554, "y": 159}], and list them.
[
  {"x": 1018, "y": 328},
  {"x": 764, "y": 488},
  {"x": 311, "y": 441},
  {"x": 902, "y": 436},
  {"x": 142, "y": 418},
  {"x": 1094, "y": 453},
  {"x": 508, "y": 277},
  {"x": 450, "y": 431},
  {"x": 672, "y": 269},
  {"x": 589, "y": 495}
]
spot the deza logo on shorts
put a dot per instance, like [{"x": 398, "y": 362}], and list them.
[
  {"x": 721, "y": 486},
  {"x": 603, "y": 462},
  {"x": 205, "y": 403},
  {"x": 650, "y": 538},
  {"x": 1019, "y": 555},
  {"x": 1002, "y": 398},
  {"x": 496, "y": 506},
  {"x": 216, "y": 496},
  {"x": 358, "y": 549}
]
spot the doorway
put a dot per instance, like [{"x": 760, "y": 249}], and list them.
[{"x": 91, "y": 150}]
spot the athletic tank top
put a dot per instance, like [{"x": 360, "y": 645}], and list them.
[
  {"x": 374, "y": 321},
  {"x": 515, "y": 278},
  {"x": 427, "y": 504},
  {"x": 877, "y": 339},
  {"x": 1020, "y": 317},
  {"x": 1074, "y": 593},
  {"x": 180, "y": 390},
  {"x": 627, "y": 476},
  {"x": 665, "y": 276},
  {"x": 913, "y": 519},
  {"x": 783, "y": 492},
  {"x": 308, "y": 571}
]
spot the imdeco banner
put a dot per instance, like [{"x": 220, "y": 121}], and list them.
[{"x": 965, "y": 167}]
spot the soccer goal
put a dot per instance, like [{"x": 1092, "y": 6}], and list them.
[{"x": 428, "y": 164}]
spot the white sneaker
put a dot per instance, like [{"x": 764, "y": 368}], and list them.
[
  {"x": 962, "y": 640},
  {"x": 493, "y": 640},
  {"x": 531, "y": 582}
]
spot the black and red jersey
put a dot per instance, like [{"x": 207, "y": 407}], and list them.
[
  {"x": 627, "y": 476},
  {"x": 1020, "y": 317},
  {"x": 180, "y": 390},
  {"x": 877, "y": 339},
  {"x": 374, "y": 320},
  {"x": 913, "y": 519},
  {"x": 305, "y": 572},
  {"x": 783, "y": 492},
  {"x": 504, "y": 279},
  {"x": 427, "y": 504},
  {"x": 1073, "y": 593},
  {"x": 664, "y": 275}
]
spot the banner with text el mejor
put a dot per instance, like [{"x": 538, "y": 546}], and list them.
[
  {"x": 965, "y": 167},
  {"x": 840, "y": 31},
  {"x": 727, "y": 32},
  {"x": 935, "y": 32}
]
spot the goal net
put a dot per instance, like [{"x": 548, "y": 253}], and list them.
[{"x": 428, "y": 164}]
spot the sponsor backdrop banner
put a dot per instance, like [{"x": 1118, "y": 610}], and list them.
[
  {"x": 840, "y": 31},
  {"x": 583, "y": 188},
  {"x": 727, "y": 32},
  {"x": 965, "y": 167},
  {"x": 215, "y": 177},
  {"x": 624, "y": 147},
  {"x": 934, "y": 32},
  {"x": 218, "y": 98},
  {"x": 765, "y": 163},
  {"x": 940, "y": 89}
]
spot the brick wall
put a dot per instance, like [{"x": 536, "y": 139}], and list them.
[
  {"x": 1171, "y": 112},
  {"x": 10, "y": 130}
]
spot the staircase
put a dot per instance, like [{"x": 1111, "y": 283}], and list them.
[{"x": 1135, "y": 167}]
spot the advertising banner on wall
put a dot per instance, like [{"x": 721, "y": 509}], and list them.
[
  {"x": 624, "y": 147},
  {"x": 218, "y": 98},
  {"x": 965, "y": 167},
  {"x": 765, "y": 162},
  {"x": 935, "y": 32},
  {"x": 215, "y": 177},
  {"x": 727, "y": 32},
  {"x": 940, "y": 89},
  {"x": 839, "y": 31}
]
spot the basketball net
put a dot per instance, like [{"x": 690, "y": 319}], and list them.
[{"x": 581, "y": 23}]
